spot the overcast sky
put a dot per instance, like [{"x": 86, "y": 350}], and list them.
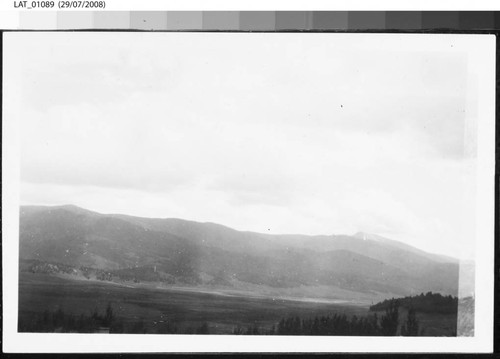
[{"x": 275, "y": 133}]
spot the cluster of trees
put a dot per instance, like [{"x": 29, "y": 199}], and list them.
[
  {"x": 342, "y": 325},
  {"x": 333, "y": 325},
  {"x": 60, "y": 321},
  {"x": 411, "y": 327},
  {"x": 99, "y": 274},
  {"x": 151, "y": 274},
  {"x": 132, "y": 274},
  {"x": 138, "y": 274},
  {"x": 376, "y": 324},
  {"x": 50, "y": 268},
  {"x": 253, "y": 330},
  {"x": 424, "y": 303},
  {"x": 103, "y": 275},
  {"x": 135, "y": 274}
]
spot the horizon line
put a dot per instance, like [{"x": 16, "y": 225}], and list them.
[{"x": 255, "y": 232}]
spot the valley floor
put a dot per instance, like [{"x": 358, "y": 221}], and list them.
[{"x": 159, "y": 309}]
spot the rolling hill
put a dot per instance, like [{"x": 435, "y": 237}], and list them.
[{"x": 197, "y": 254}]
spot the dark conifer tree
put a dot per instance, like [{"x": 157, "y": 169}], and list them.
[
  {"x": 410, "y": 328},
  {"x": 390, "y": 320}
]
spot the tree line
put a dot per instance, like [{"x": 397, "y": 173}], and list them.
[
  {"x": 132, "y": 274},
  {"x": 388, "y": 323},
  {"x": 60, "y": 321},
  {"x": 424, "y": 303},
  {"x": 341, "y": 325},
  {"x": 332, "y": 325}
]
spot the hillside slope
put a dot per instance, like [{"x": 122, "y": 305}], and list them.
[{"x": 209, "y": 254}]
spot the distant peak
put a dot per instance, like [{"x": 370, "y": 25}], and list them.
[{"x": 368, "y": 236}]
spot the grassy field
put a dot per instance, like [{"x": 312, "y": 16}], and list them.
[
  {"x": 156, "y": 307},
  {"x": 160, "y": 308}
]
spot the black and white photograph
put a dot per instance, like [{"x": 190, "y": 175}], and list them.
[{"x": 264, "y": 185}]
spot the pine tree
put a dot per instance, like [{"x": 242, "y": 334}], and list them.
[
  {"x": 410, "y": 329},
  {"x": 390, "y": 320},
  {"x": 109, "y": 316}
]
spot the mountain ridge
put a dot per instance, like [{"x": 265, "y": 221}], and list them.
[
  {"x": 206, "y": 253},
  {"x": 359, "y": 235}
]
